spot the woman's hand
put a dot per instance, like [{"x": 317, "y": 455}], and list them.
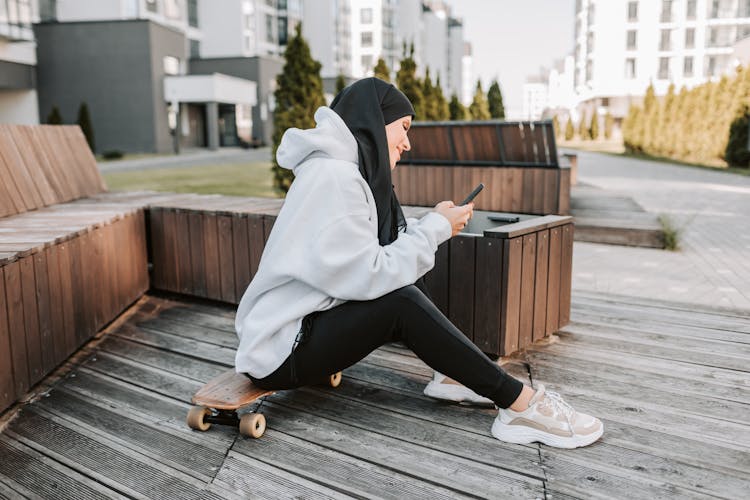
[{"x": 457, "y": 216}]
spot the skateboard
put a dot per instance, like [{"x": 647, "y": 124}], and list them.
[{"x": 217, "y": 402}]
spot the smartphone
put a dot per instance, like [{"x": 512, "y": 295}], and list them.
[
  {"x": 473, "y": 194},
  {"x": 503, "y": 218}
]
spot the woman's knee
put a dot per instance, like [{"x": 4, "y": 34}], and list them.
[{"x": 408, "y": 296}]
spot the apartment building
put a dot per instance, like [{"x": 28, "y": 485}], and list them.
[
  {"x": 18, "y": 94},
  {"x": 621, "y": 46},
  {"x": 152, "y": 71},
  {"x": 348, "y": 37}
]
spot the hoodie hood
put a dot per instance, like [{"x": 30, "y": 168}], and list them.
[{"x": 330, "y": 138}]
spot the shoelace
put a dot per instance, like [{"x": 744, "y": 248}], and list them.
[{"x": 558, "y": 405}]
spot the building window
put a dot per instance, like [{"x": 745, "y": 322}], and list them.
[
  {"x": 269, "y": 29},
  {"x": 590, "y": 42},
  {"x": 249, "y": 46},
  {"x": 367, "y": 62},
  {"x": 665, "y": 42},
  {"x": 632, "y": 43},
  {"x": 710, "y": 67},
  {"x": 630, "y": 68},
  {"x": 690, "y": 38},
  {"x": 714, "y": 11},
  {"x": 632, "y": 11},
  {"x": 47, "y": 11},
  {"x": 589, "y": 70},
  {"x": 283, "y": 33},
  {"x": 744, "y": 9},
  {"x": 365, "y": 16},
  {"x": 152, "y": 6},
  {"x": 366, "y": 39},
  {"x": 195, "y": 49},
  {"x": 172, "y": 9},
  {"x": 687, "y": 67},
  {"x": 271, "y": 3},
  {"x": 281, "y": 5},
  {"x": 248, "y": 21},
  {"x": 663, "y": 68},
  {"x": 666, "y": 11},
  {"x": 579, "y": 4},
  {"x": 691, "y": 8},
  {"x": 590, "y": 15},
  {"x": 192, "y": 6},
  {"x": 171, "y": 65}
]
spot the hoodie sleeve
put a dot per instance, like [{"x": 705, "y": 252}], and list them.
[{"x": 347, "y": 261}]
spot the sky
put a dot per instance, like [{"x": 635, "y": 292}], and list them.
[{"x": 512, "y": 39}]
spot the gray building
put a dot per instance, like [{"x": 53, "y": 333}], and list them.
[{"x": 18, "y": 100}]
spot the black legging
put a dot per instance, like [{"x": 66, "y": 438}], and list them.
[{"x": 337, "y": 338}]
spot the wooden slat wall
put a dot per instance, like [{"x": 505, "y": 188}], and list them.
[
  {"x": 532, "y": 190},
  {"x": 502, "y": 293},
  {"x": 45, "y": 165},
  {"x": 57, "y": 294}
]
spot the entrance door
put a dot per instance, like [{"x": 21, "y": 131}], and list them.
[{"x": 228, "y": 125}]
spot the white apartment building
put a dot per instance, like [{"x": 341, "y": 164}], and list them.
[
  {"x": 348, "y": 37},
  {"x": 621, "y": 46},
  {"x": 535, "y": 98},
  {"x": 18, "y": 94}
]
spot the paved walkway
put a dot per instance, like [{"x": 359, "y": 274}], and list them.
[
  {"x": 189, "y": 158},
  {"x": 712, "y": 267}
]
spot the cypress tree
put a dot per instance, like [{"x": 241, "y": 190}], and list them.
[
  {"x": 609, "y": 123},
  {"x": 495, "y": 101},
  {"x": 54, "y": 117},
  {"x": 457, "y": 110},
  {"x": 736, "y": 153},
  {"x": 443, "y": 113},
  {"x": 555, "y": 126},
  {"x": 570, "y": 130},
  {"x": 340, "y": 83},
  {"x": 594, "y": 126},
  {"x": 583, "y": 131},
  {"x": 429, "y": 102},
  {"x": 479, "y": 109},
  {"x": 84, "y": 121},
  {"x": 649, "y": 117},
  {"x": 299, "y": 92},
  {"x": 630, "y": 129},
  {"x": 678, "y": 125},
  {"x": 408, "y": 83},
  {"x": 381, "y": 71}
]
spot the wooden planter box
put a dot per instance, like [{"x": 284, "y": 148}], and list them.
[
  {"x": 505, "y": 286},
  {"x": 517, "y": 162}
]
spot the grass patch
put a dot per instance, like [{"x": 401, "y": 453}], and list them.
[
  {"x": 240, "y": 179},
  {"x": 672, "y": 233}
]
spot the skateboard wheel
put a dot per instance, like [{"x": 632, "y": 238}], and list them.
[
  {"x": 196, "y": 418},
  {"x": 335, "y": 379},
  {"x": 252, "y": 425}
]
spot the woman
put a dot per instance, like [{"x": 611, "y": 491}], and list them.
[{"x": 336, "y": 279}]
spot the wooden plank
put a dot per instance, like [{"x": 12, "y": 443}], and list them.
[
  {"x": 553, "y": 280},
  {"x": 256, "y": 243},
  {"x": 197, "y": 256},
  {"x": 17, "y": 327},
  {"x": 14, "y": 202},
  {"x": 63, "y": 160},
  {"x": 563, "y": 203},
  {"x": 211, "y": 253},
  {"x": 141, "y": 257},
  {"x": 171, "y": 252},
  {"x": 94, "y": 269},
  {"x": 56, "y": 315},
  {"x": 516, "y": 181},
  {"x": 226, "y": 258},
  {"x": 537, "y": 191},
  {"x": 158, "y": 251},
  {"x": 29, "y": 162},
  {"x": 527, "y": 195},
  {"x": 46, "y": 149},
  {"x": 7, "y": 384},
  {"x": 44, "y": 300},
  {"x": 241, "y": 253},
  {"x": 566, "y": 274},
  {"x": 550, "y": 191},
  {"x": 39, "y": 157},
  {"x": 69, "y": 303},
  {"x": 84, "y": 159},
  {"x": 183, "y": 252},
  {"x": 511, "y": 295},
  {"x": 268, "y": 222},
  {"x": 528, "y": 282},
  {"x": 79, "y": 289},
  {"x": 462, "y": 275},
  {"x": 540, "y": 285},
  {"x": 17, "y": 170},
  {"x": 528, "y": 143},
  {"x": 31, "y": 320},
  {"x": 527, "y": 226},
  {"x": 487, "y": 295}
]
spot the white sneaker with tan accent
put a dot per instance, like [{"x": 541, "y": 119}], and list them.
[
  {"x": 549, "y": 420},
  {"x": 439, "y": 389}
]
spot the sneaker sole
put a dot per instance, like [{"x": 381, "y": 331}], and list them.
[
  {"x": 519, "y": 434},
  {"x": 454, "y": 395}
]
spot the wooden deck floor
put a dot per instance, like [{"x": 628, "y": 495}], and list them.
[{"x": 671, "y": 385}]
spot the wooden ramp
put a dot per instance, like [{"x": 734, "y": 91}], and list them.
[
  {"x": 671, "y": 384},
  {"x": 605, "y": 217}
]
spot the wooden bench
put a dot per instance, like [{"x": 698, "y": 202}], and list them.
[
  {"x": 68, "y": 264},
  {"x": 517, "y": 162},
  {"x": 504, "y": 286}
]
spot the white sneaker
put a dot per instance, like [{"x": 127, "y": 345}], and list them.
[
  {"x": 549, "y": 420},
  {"x": 451, "y": 392}
]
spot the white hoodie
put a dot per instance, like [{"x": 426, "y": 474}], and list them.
[{"x": 324, "y": 249}]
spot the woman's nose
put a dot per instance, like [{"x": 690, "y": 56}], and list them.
[{"x": 407, "y": 145}]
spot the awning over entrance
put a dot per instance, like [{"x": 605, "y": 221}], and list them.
[{"x": 210, "y": 88}]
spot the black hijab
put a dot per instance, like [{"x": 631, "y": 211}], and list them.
[{"x": 366, "y": 106}]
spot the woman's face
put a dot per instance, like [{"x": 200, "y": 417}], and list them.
[{"x": 398, "y": 142}]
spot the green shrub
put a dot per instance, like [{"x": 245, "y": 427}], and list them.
[
  {"x": 112, "y": 154},
  {"x": 736, "y": 153}
]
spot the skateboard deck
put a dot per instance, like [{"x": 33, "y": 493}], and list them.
[{"x": 217, "y": 402}]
